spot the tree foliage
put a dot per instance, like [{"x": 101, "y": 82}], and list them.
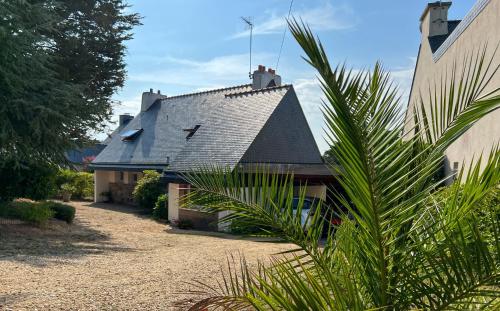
[
  {"x": 31, "y": 180},
  {"x": 402, "y": 245},
  {"x": 60, "y": 62}
]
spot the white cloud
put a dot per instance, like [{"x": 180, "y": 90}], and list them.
[
  {"x": 325, "y": 17},
  {"x": 198, "y": 74}
]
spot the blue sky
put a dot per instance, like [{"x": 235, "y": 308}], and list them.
[{"x": 192, "y": 45}]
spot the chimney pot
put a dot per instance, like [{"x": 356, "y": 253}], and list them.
[
  {"x": 149, "y": 98},
  {"x": 436, "y": 17},
  {"x": 262, "y": 78}
]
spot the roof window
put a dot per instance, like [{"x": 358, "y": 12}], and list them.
[
  {"x": 192, "y": 131},
  {"x": 130, "y": 135}
]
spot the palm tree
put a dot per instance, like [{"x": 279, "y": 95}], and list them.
[{"x": 403, "y": 246}]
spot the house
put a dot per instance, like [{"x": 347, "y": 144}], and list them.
[
  {"x": 245, "y": 125},
  {"x": 446, "y": 42},
  {"x": 81, "y": 157}
]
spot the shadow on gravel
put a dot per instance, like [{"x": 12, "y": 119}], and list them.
[
  {"x": 127, "y": 209},
  {"x": 222, "y": 235},
  {"x": 55, "y": 243}
]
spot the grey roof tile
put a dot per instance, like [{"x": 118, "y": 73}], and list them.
[{"x": 230, "y": 119}]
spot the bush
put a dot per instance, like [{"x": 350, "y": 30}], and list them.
[
  {"x": 27, "y": 180},
  {"x": 161, "y": 207},
  {"x": 68, "y": 188},
  {"x": 61, "y": 211},
  {"x": 32, "y": 212},
  {"x": 82, "y": 182},
  {"x": 148, "y": 189}
]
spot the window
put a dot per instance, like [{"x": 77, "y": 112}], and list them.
[
  {"x": 191, "y": 131},
  {"x": 122, "y": 176},
  {"x": 130, "y": 135},
  {"x": 135, "y": 177}
]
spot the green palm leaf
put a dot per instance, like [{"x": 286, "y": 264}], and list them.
[{"x": 400, "y": 248}]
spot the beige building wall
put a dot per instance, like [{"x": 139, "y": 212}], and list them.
[
  {"x": 173, "y": 201},
  {"x": 103, "y": 178},
  {"x": 484, "y": 29},
  {"x": 101, "y": 183}
]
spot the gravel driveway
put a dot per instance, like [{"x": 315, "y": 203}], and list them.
[{"x": 112, "y": 258}]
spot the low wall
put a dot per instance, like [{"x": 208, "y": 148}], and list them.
[{"x": 201, "y": 220}]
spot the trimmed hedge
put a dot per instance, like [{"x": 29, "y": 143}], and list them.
[
  {"x": 37, "y": 212},
  {"x": 161, "y": 207},
  {"x": 32, "y": 212},
  {"x": 61, "y": 211}
]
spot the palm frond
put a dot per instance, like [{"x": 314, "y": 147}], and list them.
[{"x": 398, "y": 249}]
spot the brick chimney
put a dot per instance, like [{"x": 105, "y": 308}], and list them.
[
  {"x": 149, "y": 98},
  {"x": 434, "y": 19},
  {"x": 263, "y": 78}
]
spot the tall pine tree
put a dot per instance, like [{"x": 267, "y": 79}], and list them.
[{"x": 60, "y": 63}]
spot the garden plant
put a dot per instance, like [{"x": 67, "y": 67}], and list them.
[{"x": 404, "y": 243}]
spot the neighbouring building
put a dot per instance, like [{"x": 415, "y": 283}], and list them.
[
  {"x": 246, "y": 126},
  {"x": 445, "y": 43},
  {"x": 80, "y": 158}
]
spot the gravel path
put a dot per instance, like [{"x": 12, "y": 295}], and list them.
[{"x": 112, "y": 258}]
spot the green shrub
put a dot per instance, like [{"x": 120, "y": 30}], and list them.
[
  {"x": 161, "y": 207},
  {"x": 32, "y": 212},
  {"x": 84, "y": 185},
  {"x": 61, "y": 211},
  {"x": 148, "y": 189},
  {"x": 68, "y": 188},
  {"x": 27, "y": 180},
  {"x": 82, "y": 182}
]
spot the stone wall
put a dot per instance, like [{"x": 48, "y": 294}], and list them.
[{"x": 122, "y": 193}]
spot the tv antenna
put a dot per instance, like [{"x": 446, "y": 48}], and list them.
[{"x": 249, "y": 23}]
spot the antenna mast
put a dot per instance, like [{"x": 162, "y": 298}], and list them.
[{"x": 250, "y": 25}]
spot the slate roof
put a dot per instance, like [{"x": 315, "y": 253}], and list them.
[
  {"x": 230, "y": 119},
  {"x": 76, "y": 156}
]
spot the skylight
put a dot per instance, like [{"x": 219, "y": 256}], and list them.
[
  {"x": 191, "y": 131},
  {"x": 130, "y": 135}
]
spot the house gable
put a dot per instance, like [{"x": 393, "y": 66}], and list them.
[{"x": 285, "y": 138}]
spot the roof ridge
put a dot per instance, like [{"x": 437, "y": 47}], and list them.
[
  {"x": 208, "y": 91},
  {"x": 265, "y": 89}
]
